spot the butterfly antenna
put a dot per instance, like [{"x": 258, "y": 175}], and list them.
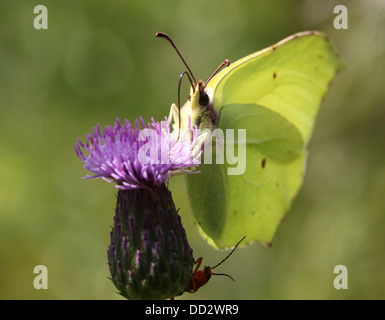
[
  {"x": 229, "y": 254},
  {"x": 180, "y": 82},
  {"x": 165, "y": 36},
  {"x": 224, "y": 63}
]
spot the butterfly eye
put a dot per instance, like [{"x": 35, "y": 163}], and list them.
[{"x": 203, "y": 99}]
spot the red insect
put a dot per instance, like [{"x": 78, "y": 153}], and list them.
[{"x": 200, "y": 277}]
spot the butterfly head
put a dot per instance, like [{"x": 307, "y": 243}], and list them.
[
  {"x": 199, "y": 107},
  {"x": 198, "y": 110}
]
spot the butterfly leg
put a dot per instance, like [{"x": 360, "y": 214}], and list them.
[
  {"x": 219, "y": 116},
  {"x": 174, "y": 116},
  {"x": 199, "y": 143}
]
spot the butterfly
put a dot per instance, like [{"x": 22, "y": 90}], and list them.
[{"x": 269, "y": 99}]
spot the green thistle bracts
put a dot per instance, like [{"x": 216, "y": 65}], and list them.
[{"x": 149, "y": 256}]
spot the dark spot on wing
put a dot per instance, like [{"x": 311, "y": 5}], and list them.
[
  {"x": 263, "y": 163},
  {"x": 274, "y": 75}
]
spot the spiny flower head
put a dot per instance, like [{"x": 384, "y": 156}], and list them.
[{"x": 149, "y": 256}]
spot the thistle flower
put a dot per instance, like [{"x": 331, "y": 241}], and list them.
[
  {"x": 139, "y": 158},
  {"x": 149, "y": 256}
]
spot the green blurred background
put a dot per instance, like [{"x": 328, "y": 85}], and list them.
[{"x": 100, "y": 60}]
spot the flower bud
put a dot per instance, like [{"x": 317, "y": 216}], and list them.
[{"x": 149, "y": 256}]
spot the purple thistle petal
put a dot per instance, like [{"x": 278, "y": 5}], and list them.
[{"x": 137, "y": 158}]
